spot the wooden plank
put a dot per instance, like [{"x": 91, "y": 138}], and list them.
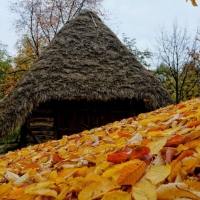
[
  {"x": 40, "y": 128},
  {"x": 43, "y": 132},
  {"x": 42, "y": 119},
  {"x": 41, "y": 124}
]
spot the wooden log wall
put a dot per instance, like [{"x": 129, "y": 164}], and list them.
[
  {"x": 41, "y": 126},
  {"x": 56, "y": 118}
]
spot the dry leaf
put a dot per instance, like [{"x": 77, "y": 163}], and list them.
[
  {"x": 97, "y": 190},
  {"x": 158, "y": 173},
  {"x": 144, "y": 191},
  {"x": 175, "y": 190},
  {"x": 131, "y": 173},
  {"x": 117, "y": 195},
  {"x": 157, "y": 145}
]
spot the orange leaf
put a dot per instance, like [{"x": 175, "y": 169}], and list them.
[
  {"x": 131, "y": 173},
  {"x": 192, "y": 124},
  {"x": 124, "y": 134},
  {"x": 139, "y": 152},
  {"x": 16, "y": 193},
  {"x": 4, "y": 188},
  {"x": 145, "y": 141},
  {"x": 176, "y": 167},
  {"x": 117, "y": 157},
  {"x": 30, "y": 166},
  {"x": 157, "y": 128},
  {"x": 187, "y": 113},
  {"x": 57, "y": 158},
  {"x": 181, "y": 106},
  {"x": 174, "y": 141},
  {"x": 192, "y": 144},
  {"x": 184, "y": 154}
]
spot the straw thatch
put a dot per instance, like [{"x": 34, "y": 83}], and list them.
[{"x": 85, "y": 60}]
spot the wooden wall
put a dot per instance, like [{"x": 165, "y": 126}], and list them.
[{"x": 53, "y": 119}]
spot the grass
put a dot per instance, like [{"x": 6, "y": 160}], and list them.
[{"x": 11, "y": 138}]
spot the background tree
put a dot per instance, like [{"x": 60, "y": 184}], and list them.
[
  {"x": 142, "y": 56},
  {"x": 39, "y": 20},
  {"x": 6, "y": 76},
  {"x": 178, "y": 69},
  {"x": 25, "y": 54}
]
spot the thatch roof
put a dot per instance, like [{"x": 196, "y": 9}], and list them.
[{"x": 85, "y": 60}]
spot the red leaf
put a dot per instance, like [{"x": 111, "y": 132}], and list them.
[
  {"x": 139, "y": 152},
  {"x": 117, "y": 157}
]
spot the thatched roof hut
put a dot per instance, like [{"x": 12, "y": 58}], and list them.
[{"x": 84, "y": 63}]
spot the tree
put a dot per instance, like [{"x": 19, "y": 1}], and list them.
[
  {"x": 26, "y": 56},
  {"x": 40, "y": 20},
  {"x": 178, "y": 69},
  {"x": 141, "y": 56},
  {"x": 5, "y": 69}
]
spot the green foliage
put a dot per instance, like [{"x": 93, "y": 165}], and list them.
[
  {"x": 5, "y": 68},
  {"x": 188, "y": 86},
  {"x": 141, "y": 56}
]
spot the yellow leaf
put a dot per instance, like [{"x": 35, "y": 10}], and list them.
[
  {"x": 45, "y": 192},
  {"x": 198, "y": 149},
  {"x": 63, "y": 194},
  {"x": 102, "y": 167},
  {"x": 3, "y": 163},
  {"x": 77, "y": 183},
  {"x": 4, "y": 188},
  {"x": 157, "y": 145},
  {"x": 103, "y": 148},
  {"x": 36, "y": 186},
  {"x": 53, "y": 175},
  {"x": 114, "y": 171},
  {"x": 188, "y": 163},
  {"x": 158, "y": 173},
  {"x": 97, "y": 190},
  {"x": 176, "y": 166},
  {"x": 121, "y": 142},
  {"x": 144, "y": 191},
  {"x": 181, "y": 148},
  {"x": 66, "y": 172},
  {"x": 175, "y": 190},
  {"x": 117, "y": 195},
  {"x": 95, "y": 177},
  {"x": 193, "y": 184},
  {"x": 2, "y": 170},
  {"x": 131, "y": 173}
]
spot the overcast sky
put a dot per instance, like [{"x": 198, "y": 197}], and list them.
[{"x": 139, "y": 19}]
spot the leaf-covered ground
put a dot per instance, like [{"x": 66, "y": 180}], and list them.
[{"x": 153, "y": 156}]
